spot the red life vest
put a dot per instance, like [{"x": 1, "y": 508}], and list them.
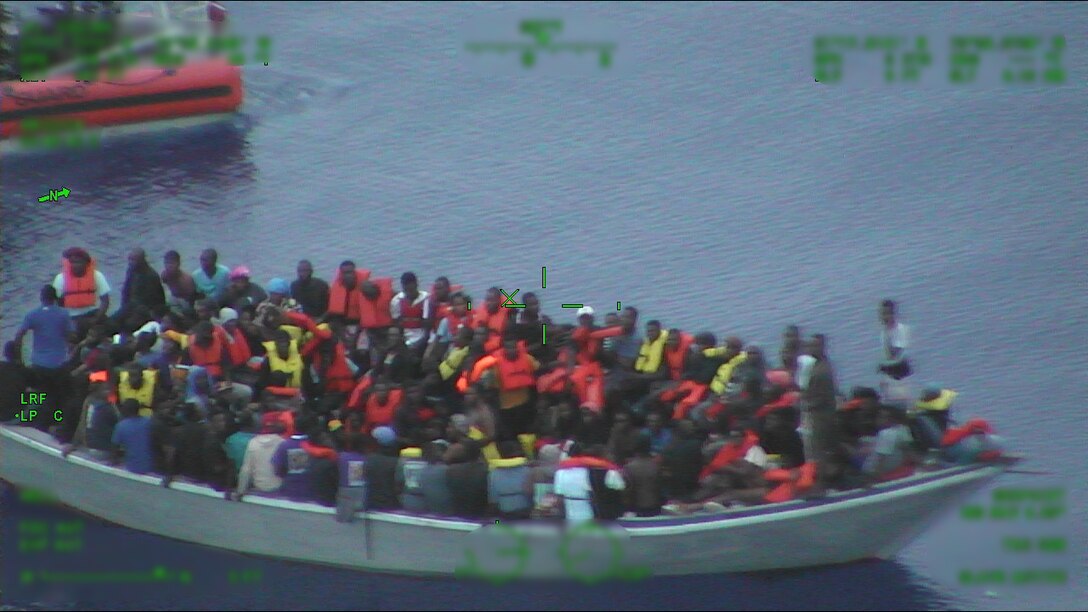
[
  {"x": 955, "y": 435},
  {"x": 587, "y": 462},
  {"x": 440, "y": 309},
  {"x": 411, "y": 315},
  {"x": 283, "y": 416},
  {"x": 589, "y": 341},
  {"x": 516, "y": 374},
  {"x": 790, "y": 487},
  {"x": 344, "y": 302},
  {"x": 779, "y": 378},
  {"x": 588, "y": 382},
  {"x": 454, "y": 323},
  {"x": 676, "y": 358},
  {"x": 375, "y": 314},
  {"x": 786, "y": 401},
  {"x": 338, "y": 378},
  {"x": 355, "y": 401},
  {"x": 495, "y": 322},
  {"x": 238, "y": 348},
  {"x": 318, "y": 452},
  {"x": 730, "y": 453},
  {"x": 378, "y": 414},
  {"x": 210, "y": 358},
  {"x": 79, "y": 291}
]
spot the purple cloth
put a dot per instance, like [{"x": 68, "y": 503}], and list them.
[
  {"x": 292, "y": 463},
  {"x": 352, "y": 469}
]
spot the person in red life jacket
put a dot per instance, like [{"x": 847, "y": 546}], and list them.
[
  {"x": 588, "y": 337},
  {"x": 734, "y": 474},
  {"x": 893, "y": 455},
  {"x": 381, "y": 405},
  {"x": 494, "y": 316},
  {"x": 456, "y": 317},
  {"x": 208, "y": 349},
  {"x": 971, "y": 442},
  {"x": 515, "y": 379},
  {"x": 442, "y": 298},
  {"x": 345, "y": 300},
  {"x": 787, "y": 484},
  {"x": 411, "y": 311},
  {"x": 375, "y": 319},
  {"x": 237, "y": 346},
  {"x": 413, "y": 416},
  {"x": 335, "y": 374},
  {"x": 694, "y": 386},
  {"x": 82, "y": 289}
]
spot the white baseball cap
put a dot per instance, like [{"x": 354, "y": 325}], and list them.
[{"x": 585, "y": 310}]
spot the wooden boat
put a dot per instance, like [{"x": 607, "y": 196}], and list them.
[{"x": 842, "y": 527}]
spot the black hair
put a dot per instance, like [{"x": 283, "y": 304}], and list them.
[
  {"x": 654, "y": 322},
  {"x": 281, "y": 334},
  {"x": 442, "y": 279},
  {"x": 347, "y": 262},
  {"x": 408, "y": 277},
  {"x": 888, "y": 304},
  {"x": 706, "y": 339},
  {"x": 632, "y": 310},
  {"x": 509, "y": 449},
  {"x": 130, "y": 408},
  {"x": 172, "y": 255},
  {"x": 48, "y": 294}
]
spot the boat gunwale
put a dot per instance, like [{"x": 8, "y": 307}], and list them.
[{"x": 642, "y": 527}]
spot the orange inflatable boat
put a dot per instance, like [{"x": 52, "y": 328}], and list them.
[{"x": 205, "y": 87}]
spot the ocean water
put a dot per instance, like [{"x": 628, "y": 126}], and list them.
[{"x": 707, "y": 180}]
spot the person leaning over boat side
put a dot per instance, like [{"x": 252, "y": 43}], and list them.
[
  {"x": 52, "y": 329},
  {"x": 242, "y": 291},
  {"x": 381, "y": 471},
  {"x": 82, "y": 289},
  {"x": 180, "y": 283},
  {"x": 212, "y": 278},
  {"x": 310, "y": 292},
  {"x": 411, "y": 311},
  {"x": 258, "y": 471},
  {"x": 820, "y": 400},
  {"x": 142, "y": 286},
  {"x": 133, "y": 436},
  {"x": 895, "y": 367}
]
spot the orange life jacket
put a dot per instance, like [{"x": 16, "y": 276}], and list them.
[
  {"x": 284, "y": 391},
  {"x": 238, "y": 348},
  {"x": 588, "y": 382},
  {"x": 589, "y": 341},
  {"x": 440, "y": 309},
  {"x": 677, "y": 357},
  {"x": 378, "y": 414},
  {"x": 789, "y": 487},
  {"x": 516, "y": 374},
  {"x": 284, "y": 416},
  {"x": 495, "y": 322},
  {"x": 470, "y": 378},
  {"x": 344, "y": 302},
  {"x": 375, "y": 314},
  {"x": 454, "y": 323},
  {"x": 955, "y": 435},
  {"x": 210, "y": 358},
  {"x": 411, "y": 315},
  {"x": 730, "y": 453},
  {"x": 588, "y": 462},
  {"x": 689, "y": 393},
  {"x": 786, "y": 401},
  {"x": 79, "y": 291},
  {"x": 338, "y": 378},
  {"x": 355, "y": 401}
]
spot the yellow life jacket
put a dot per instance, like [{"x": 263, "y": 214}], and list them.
[
  {"x": 449, "y": 366},
  {"x": 145, "y": 394},
  {"x": 292, "y": 366},
  {"x": 507, "y": 463},
  {"x": 941, "y": 402},
  {"x": 725, "y": 372},
  {"x": 651, "y": 354},
  {"x": 412, "y": 452},
  {"x": 528, "y": 444},
  {"x": 180, "y": 338},
  {"x": 490, "y": 452}
]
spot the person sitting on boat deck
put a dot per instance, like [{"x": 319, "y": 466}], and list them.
[
  {"x": 381, "y": 471},
  {"x": 332, "y": 374},
  {"x": 456, "y": 318},
  {"x": 542, "y": 482},
  {"x": 611, "y": 319},
  {"x": 283, "y": 365},
  {"x": 681, "y": 462},
  {"x": 14, "y": 380},
  {"x": 292, "y": 462},
  {"x": 242, "y": 362},
  {"x": 279, "y": 299},
  {"x": 441, "y": 299},
  {"x": 180, "y": 283},
  {"x": 257, "y": 471},
  {"x": 189, "y": 437},
  {"x": 411, "y": 311},
  {"x": 82, "y": 289},
  {"x": 142, "y": 286},
  {"x": 414, "y": 414},
  {"x": 323, "y": 471},
  {"x": 622, "y": 439},
  {"x": 219, "y": 472},
  {"x": 528, "y": 328},
  {"x": 749, "y": 383},
  {"x": 893, "y": 455},
  {"x": 895, "y": 367},
  {"x": 409, "y": 488},
  {"x": 677, "y": 363},
  {"x": 494, "y": 316},
  {"x": 658, "y": 432},
  {"x": 398, "y": 363},
  {"x": 734, "y": 474},
  {"x": 132, "y": 435},
  {"x": 142, "y": 385},
  {"x": 211, "y": 278},
  {"x": 246, "y": 427},
  {"x": 433, "y": 484},
  {"x": 96, "y": 422},
  {"x": 345, "y": 300},
  {"x": 933, "y": 408},
  {"x": 52, "y": 329},
  {"x": 442, "y": 382},
  {"x": 820, "y": 402},
  {"x": 507, "y": 491},
  {"x": 381, "y": 405},
  {"x": 778, "y": 437},
  {"x": 593, "y": 429},
  {"x": 242, "y": 291},
  {"x": 311, "y": 293},
  {"x": 467, "y": 479},
  {"x": 642, "y": 473},
  {"x": 633, "y": 382},
  {"x": 604, "y": 479},
  {"x": 971, "y": 442},
  {"x": 208, "y": 349}
]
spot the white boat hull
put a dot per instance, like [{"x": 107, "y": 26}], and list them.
[{"x": 844, "y": 527}]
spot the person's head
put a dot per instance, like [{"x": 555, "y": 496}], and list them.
[
  {"x": 673, "y": 341},
  {"x": 509, "y": 449},
  {"x": 887, "y": 312},
  {"x": 791, "y": 336},
  {"x": 171, "y": 264},
  {"x": 463, "y": 337},
  {"x": 629, "y": 319},
  {"x": 208, "y": 260},
  {"x": 129, "y": 408},
  {"x": 228, "y": 318},
  {"x": 409, "y": 284},
  {"x": 135, "y": 375},
  {"x": 654, "y": 421},
  {"x": 788, "y": 355},
  {"x": 48, "y": 295},
  {"x": 817, "y": 346},
  {"x": 78, "y": 260},
  {"x": 283, "y": 343},
  {"x": 204, "y": 333},
  {"x": 611, "y": 319},
  {"x": 304, "y": 270},
  {"x": 510, "y": 347},
  {"x": 459, "y": 304},
  {"x": 532, "y": 305},
  {"x": 205, "y": 310},
  {"x": 653, "y": 330},
  {"x": 278, "y": 290},
  {"x": 218, "y": 423},
  {"x": 480, "y": 335},
  {"x": 733, "y": 346},
  {"x": 755, "y": 355},
  {"x": 144, "y": 342},
  {"x": 347, "y": 274},
  {"x": 442, "y": 289},
  {"x": 706, "y": 340},
  {"x": 493, "y": 299},
  {"x": 239, "y": 278},
  {"x": 137, "y": 258}
]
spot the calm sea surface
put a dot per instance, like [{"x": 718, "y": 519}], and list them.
[{"x": 705, "y": 179}]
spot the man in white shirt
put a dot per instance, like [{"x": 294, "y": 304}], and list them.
[
  {"x": 894, "y": 368},
  {"x": 572, "y": 483},
  {"x": 411, "y": 311}
]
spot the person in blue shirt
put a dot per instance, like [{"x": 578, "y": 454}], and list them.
[
  {"x": 133, "y": 435},
  {"x": 211, "y": 278},
  {"x": 52, "y": 329}
]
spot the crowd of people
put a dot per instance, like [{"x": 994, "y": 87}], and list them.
[{"x": 352, "y": 394}]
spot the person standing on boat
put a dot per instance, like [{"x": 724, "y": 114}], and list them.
[
  {"x": 820, "y": 403},
  {"x": 211, "y": 277},
  {"x": 52, "y": 329},
  {"x": 82, "y": 289},
  {"x": 310, "y": 292},
  {"x": 895, "y": 368},
  {"x": 179, "y": 282},
  {"x": 411, "y": 311}
]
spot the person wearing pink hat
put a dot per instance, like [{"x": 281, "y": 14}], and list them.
[{"x": 242, "y": 292}]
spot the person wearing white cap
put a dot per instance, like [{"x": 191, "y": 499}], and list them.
[{"x": 237, "y": 345}]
